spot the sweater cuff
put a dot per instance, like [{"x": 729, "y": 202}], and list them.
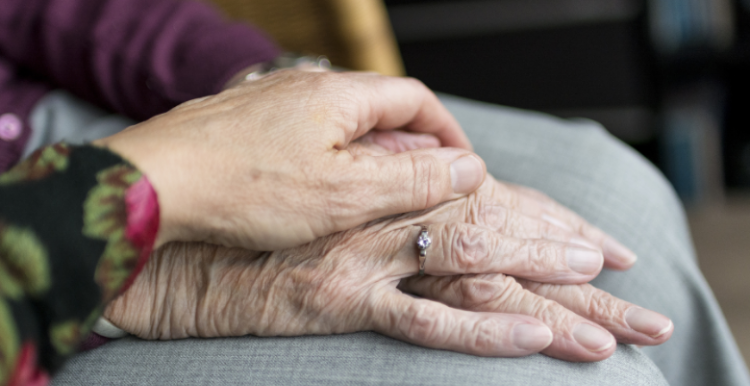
[{"x": 77, "y": 224}]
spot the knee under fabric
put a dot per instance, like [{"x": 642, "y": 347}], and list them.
[{"x": 576, "y": 163}]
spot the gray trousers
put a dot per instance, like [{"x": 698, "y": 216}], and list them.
[{"x": 577, "y": 163}]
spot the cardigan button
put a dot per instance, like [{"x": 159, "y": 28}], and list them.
[{"x": 10, "y": 127}]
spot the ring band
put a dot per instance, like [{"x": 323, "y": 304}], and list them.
[{"x": 423, "y": 242}]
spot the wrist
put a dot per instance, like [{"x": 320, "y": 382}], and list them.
[
  {"x": 145, "y": 201},
  {"x": 163, "y": 302}
]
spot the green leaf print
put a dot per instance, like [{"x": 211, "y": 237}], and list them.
[
  {"x": 105, "y": 218},
  {"x": 23, "y": 263},
  {"x": 40, "y": 164},
  {"x": 8, "y": 343},
  {"x": 65, "y": 336}
]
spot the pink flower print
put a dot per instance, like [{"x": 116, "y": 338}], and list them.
[{"x": 27, "y": 373}]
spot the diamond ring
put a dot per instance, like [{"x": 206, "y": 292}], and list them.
[{"x": 423, "y": 242}]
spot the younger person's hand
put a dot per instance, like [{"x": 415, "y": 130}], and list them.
[{"x": 265, "y": 165}]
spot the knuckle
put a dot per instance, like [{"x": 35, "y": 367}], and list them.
[
  {"x": 552, "y": 314},
  {"x": 422, "y": 323},
  {"x": 542, "y": 258},
  {"x": 490, "y": 215},
  {"x": 508, "y": 286},
  {"x": 524, "y": 302},
  {"x": 585, "y": 300},
  {"x": 476, "y": 293},
  {"x": 338, "y": 96},
  {"x": 487, "y": 334},
  {"x": 428, "y": 183},
  {"x": 537, "y": 304},
  {"x": 469, "y": 248},
  {"x": 516, "y": 224},
  {"x": 486, "y": 292},
  {"x": 602, "y": 307},
  {"x": 512, "y": 296}
]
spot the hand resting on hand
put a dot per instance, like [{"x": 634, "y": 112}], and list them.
[
  {"x": 265, "y": 165},
  {"x": 353, "y": 281}
]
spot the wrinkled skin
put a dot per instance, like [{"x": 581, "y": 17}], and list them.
[
  {"x": 265, "y": 165},
  {"x": 353, "y": 281}
]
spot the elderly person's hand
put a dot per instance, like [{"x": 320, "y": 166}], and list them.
[
  {"x": 264, "y": 165},
  {"x": 347, "y": 282},
  {"x": 518, "y": 210}
]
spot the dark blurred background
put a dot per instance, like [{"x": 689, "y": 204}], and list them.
[{"x": 669, "y": 77}]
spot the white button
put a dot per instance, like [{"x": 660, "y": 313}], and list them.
[{"x": 10, "y": 127}]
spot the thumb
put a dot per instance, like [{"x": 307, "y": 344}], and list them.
[
  {"x": 431, "y": 176},
  {"x": 412, "y": 180}
]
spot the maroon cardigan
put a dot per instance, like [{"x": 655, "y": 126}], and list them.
[{"x": 135, "y": 57}]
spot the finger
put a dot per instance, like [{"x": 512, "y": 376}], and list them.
[
  {"x": 536, "y": 204},
  {"x": 459, "y": 248},
  {"x": 628, "y": 322},
  {"x": 398, "y": 102},
  {"x": 431, "y": 324},
  {"x": 485, "y": 212},
  {"x": 397, "y": 141},
  {"x": 513, "y": 223},
  {"x": 373, "y": 187},
  {"x": 575, "y": 338}
]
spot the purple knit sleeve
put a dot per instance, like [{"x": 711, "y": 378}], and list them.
[
  {"x": 136, "y": 57},
  {"x": 17, "y": 98}
]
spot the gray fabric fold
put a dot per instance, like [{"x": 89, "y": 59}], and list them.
[{"x": 577, "y": 163}]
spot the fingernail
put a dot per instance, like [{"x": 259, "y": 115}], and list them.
[
  {"x": 531, "y": 337},
  {"x": 584, "y": 261},
  {"x": 466, "y": 174},
  {"x": 592, "y": 338},
  {"x": 647, "y": 322},
  {"x": 618, "y": 251}
]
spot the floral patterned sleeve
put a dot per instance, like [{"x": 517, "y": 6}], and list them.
[{"x": 77, "y": 223}]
